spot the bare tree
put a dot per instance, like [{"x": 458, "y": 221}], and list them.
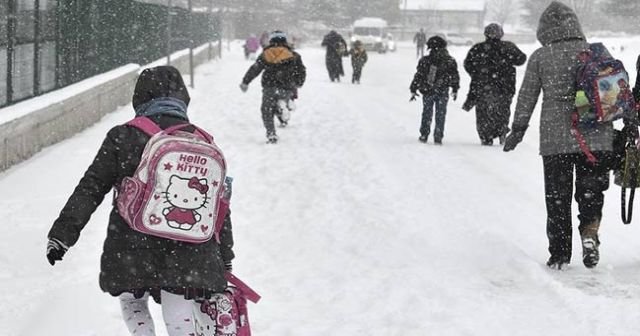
[{"x": 503, "y": 10}]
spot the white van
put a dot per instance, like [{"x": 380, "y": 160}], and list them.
[{"x": 372, "y": 32}]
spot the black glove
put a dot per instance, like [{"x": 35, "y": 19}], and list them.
[
  {"x": 413, "y": 96},
  {"x": 228, "y": 266},
  {"x": 454, "y": 95},
  {"x": 55, "y": 250},
  {"x": 514, "y": 138}
]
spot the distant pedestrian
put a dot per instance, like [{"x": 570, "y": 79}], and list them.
[
  {"x": 251, "y": 46},
  {"x": 491, "y": 65},
  {"x": 264, "y": 39},
  {"x": 436, "y": 73},
  {"x": 336, "y": 49},
  {"x": 420, "y": 39},
  {"x": 358, "y": 59}
]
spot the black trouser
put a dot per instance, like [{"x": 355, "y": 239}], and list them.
[
  {"x": 334, "y": 67},
  {"x": 492, "y": 115},
  {"x": 357, "y": 72},
  {"x": 270, "y": 108},
  {"x": 591, "y": 181}
]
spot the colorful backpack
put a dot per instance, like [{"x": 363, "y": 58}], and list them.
[
  {"x": 177, "y": 189},
  {"x": 225, "y": 314},
  {"x": 603, "y": 93}
]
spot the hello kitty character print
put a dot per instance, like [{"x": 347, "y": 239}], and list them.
[
  {"x": 225, "y": 313},
  {"x": 185, "y": 197},
  {"x": 176, "y": 191}
]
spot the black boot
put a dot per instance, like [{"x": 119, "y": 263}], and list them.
[
  {"x": 590, "y": 253},
  {"x": 558, "y": 262}
]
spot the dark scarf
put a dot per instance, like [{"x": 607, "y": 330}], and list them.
[{"x": 165, "y": 106}]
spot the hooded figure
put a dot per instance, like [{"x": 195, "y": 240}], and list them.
[
  {"x": 135, "y": 265},
  {"x": 284, "y": 73},
  {"x": 552, "y": 70},
  {"x": 491, "y": 65},
  {"x": 435, "y": 74},
  {"x": 336, "y": 49}
]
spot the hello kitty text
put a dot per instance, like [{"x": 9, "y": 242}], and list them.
[{"x": 192, "y": 164}]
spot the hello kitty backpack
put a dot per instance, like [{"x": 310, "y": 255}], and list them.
[
  {"x": 225, "y": 314},
  {"x": 177, "y": 189}
]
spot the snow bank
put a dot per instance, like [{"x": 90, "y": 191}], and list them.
[{"x": 27, "y": 127}]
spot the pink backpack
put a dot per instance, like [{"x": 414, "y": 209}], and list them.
[
  {"x": 176, "y": 191},
  {"x": 225, "y": 314}
]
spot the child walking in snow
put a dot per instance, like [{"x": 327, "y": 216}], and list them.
[
  {"x": 136, "y": 266},
  {"x": 358, "y": 59},
  {"x": 436, "y": 73},
  {"x": 283, "y": 73}
]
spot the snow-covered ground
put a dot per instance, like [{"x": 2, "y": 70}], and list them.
[{"x": 348, "y": 226}]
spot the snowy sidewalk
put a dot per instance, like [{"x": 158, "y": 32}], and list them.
[{"x": 348, "y": 226}]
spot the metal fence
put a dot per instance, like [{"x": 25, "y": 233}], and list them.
[{"x": 48, "y": 44}]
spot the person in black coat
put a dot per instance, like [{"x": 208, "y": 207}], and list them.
[
  {"x": 284, "y": 73},
  {"x": 336, "y": 49},
  {"x": 436, "y": 73},
  {"x": 135, "y": 265},
  {"x": 491, "y": 65}
]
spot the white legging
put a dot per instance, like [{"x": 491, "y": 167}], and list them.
[{"x": 176, "y": 312}]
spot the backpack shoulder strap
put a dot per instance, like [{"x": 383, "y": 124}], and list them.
[
  {"x": 580, "y": 138},
  {"x": 145, "y": 124},
  {"x": 151, "y": 128}
]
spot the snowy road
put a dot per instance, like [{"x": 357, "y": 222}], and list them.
[{"x": 349, "y": 226}]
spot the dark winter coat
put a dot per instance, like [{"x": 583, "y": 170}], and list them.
[
  {"x": 552, "y": 70},
  {"x": 491, "y": 65},
  {"x": 358, "y": 57},
  {"x": 133, "y": 261},
  {"x": 336, "y": 49},
  {"x": 283, "y": 68},
  {"x": 420, "y": 39},
  {"x": 436, "y": 73}
]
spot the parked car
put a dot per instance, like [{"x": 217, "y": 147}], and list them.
[{"x": 456, "y": 39}]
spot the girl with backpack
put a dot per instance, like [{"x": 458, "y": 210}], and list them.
[{"x": 134, "y": 265}]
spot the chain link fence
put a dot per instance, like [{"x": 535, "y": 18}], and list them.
[{"x": 49, "y": 44}]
